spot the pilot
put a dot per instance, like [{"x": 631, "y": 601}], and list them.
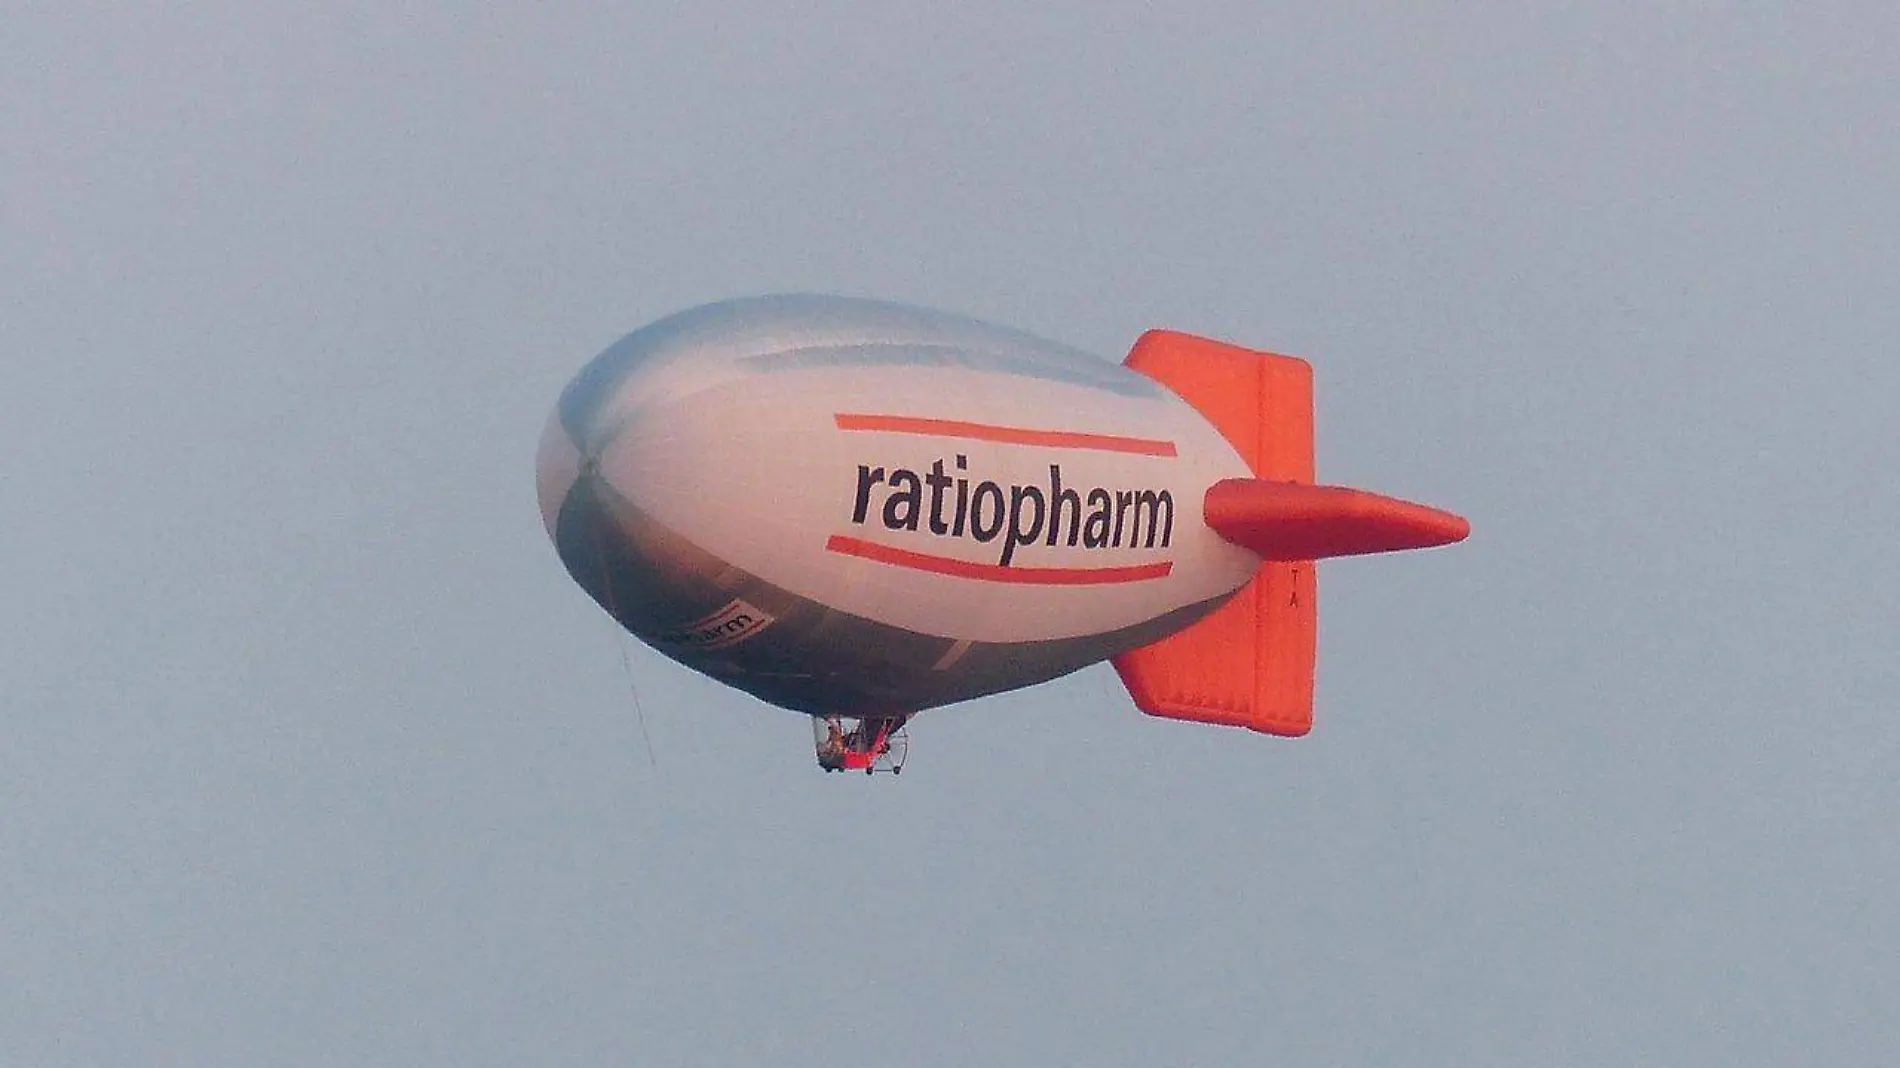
[{"x": 831, "y": 750}]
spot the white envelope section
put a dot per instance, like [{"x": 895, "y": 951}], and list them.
[{"x": 758, "y": 472}]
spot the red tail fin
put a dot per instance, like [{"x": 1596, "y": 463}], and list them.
[{"x": 1250, "y": 663}]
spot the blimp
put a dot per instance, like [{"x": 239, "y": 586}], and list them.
[{"x": 859, "y": 510}]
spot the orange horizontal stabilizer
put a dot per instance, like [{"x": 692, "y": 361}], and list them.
[{"x": 1298, "y": 521}]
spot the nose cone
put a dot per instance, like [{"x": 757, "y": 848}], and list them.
[{"x": 557, "y": 466}]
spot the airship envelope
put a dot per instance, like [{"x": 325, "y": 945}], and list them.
[{"x": 859, "y": 510}]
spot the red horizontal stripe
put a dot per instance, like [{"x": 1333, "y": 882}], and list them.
[
  {"x": 1008, "y": 435},
  {"x": 1031, "y": 576}
]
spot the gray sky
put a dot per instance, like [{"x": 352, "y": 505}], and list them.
[{"x": 313, "y": 755}]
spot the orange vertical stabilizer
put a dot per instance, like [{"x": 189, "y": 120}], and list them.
[{"x": 1249, "y": 663}]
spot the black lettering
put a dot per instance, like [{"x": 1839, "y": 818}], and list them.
[
  {"x": 994, "y": 492},
  {"x": 1020, "y": 515},
  {"x": 912, "y": 499},
  {"x": 1151, "y": 503},
  {"x": 1018, "y": 534},
  {"x": 963, "y": 497},
  {"x": 867, "y": 477},
  {"x": 1095, "y": 531},
  {"x": 1057, "y": 498},
  {"x": 938, "y": 482}
]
